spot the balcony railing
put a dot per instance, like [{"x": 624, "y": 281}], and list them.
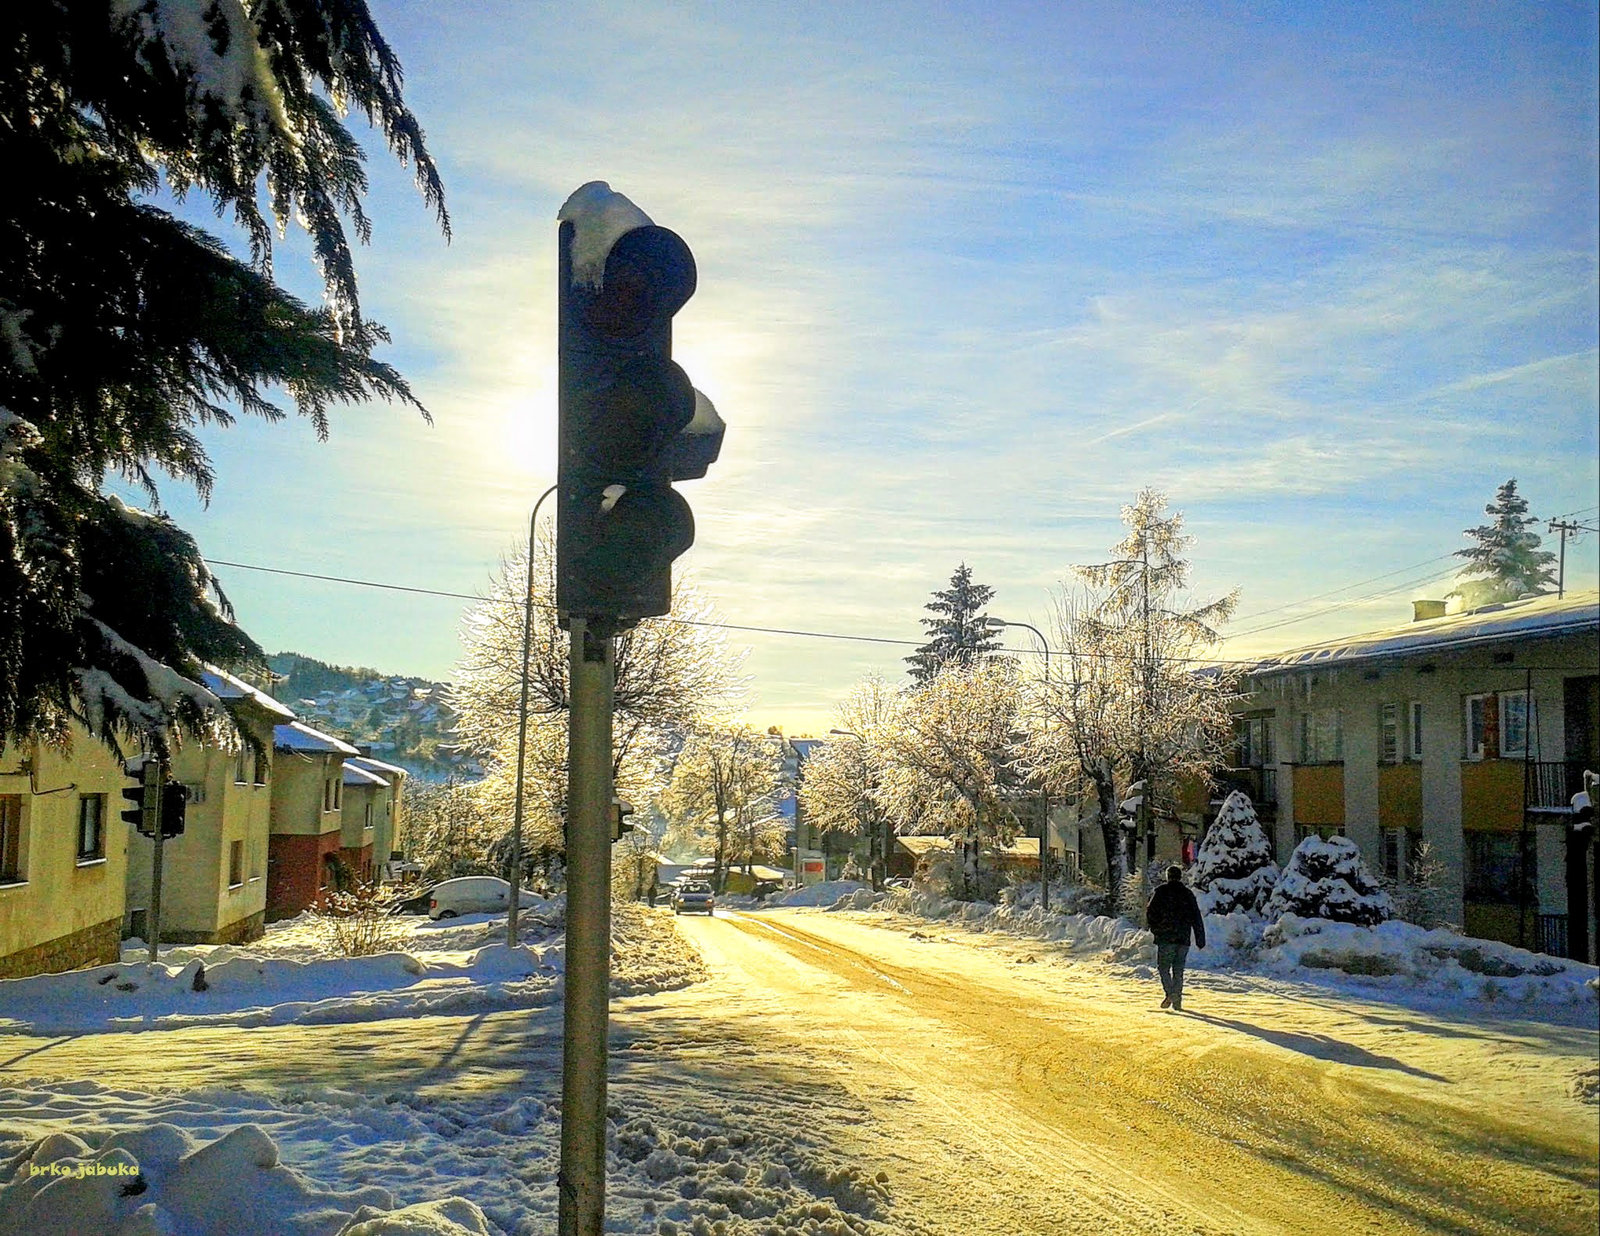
[
  {"x": 1261, "y": 784},
  {"x": 1552, "y": 783}
]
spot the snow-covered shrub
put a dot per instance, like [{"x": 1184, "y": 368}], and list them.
[
  {"x": 1421, "y": 898},
  {"x": 1328, "y": 879},
  {"x": 1234, "y": 869},
  {"x": 357, "y": 922},
  {"x": 1136, "y": 889}
]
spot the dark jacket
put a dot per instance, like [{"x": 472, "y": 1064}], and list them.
[{"x": 1173, "y": 913}]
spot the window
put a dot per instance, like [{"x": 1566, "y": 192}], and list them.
[
  {"x": 235, "y": 864},
  {"x": 262, "y": 765},
  {"x": 1494, "y": 865},
  {"x": 1513, "y": 724},
  {"x": 1252, "y": 737},
  {"x": 1389, "y": 734},
  {"x": 1302, "y": 831},
  {"x": 10, "y": 838},
  {"x": 241, "y": 767},
  {"x": 1321, "y": 736},
  {"x": 1414, "y": 732},
  {"x": 366, "y": 821},
  {"x": 327, "y": 795},
  {"x": 1495, "y": 726},
  {"x": 338, "y": 791},
  {"x": 91, "y": 827}
]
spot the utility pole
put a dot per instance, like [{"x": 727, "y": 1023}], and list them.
[
  {"x": 1564, "y": 527},
  {"x": 588, "y": 975}
]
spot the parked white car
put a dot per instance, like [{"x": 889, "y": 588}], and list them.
[{"x": 468, "y": 895}]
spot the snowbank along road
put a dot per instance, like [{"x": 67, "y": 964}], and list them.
[{"x": 1014, "y": 1097}]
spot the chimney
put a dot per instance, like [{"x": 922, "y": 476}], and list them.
[{"x": 1421, "y": 611}]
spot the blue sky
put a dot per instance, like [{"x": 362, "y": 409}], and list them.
[{"x": 971, "y": 276}]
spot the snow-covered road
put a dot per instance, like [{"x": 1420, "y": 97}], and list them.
[
  {"x": 1017, "y": 1096},
  {"x": 869, "y": 1073}
]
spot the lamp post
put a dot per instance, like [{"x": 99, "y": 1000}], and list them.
[
  {"x": 877, "y": 846},
  {"x": 999, "y": 624},
  {"x": 522, "y": 730}
]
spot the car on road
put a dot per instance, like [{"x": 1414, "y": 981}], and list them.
[
  {"x": 468, "y": 895},
  {"x": 688, "y": 898}
]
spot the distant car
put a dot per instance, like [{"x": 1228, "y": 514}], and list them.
[
  {"x": 468, "y": 895},
  {"x": 688, "y": 898}
]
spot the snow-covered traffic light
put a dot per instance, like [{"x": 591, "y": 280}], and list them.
[{"x": 631, "y": 423}]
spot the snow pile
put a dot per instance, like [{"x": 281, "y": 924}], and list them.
[
  {"x": 825, "y": 894},
  {"x": 1392, "y": 956},
  {"x": 1234, "y": 868},
  {"x": 1439, "y": 960},
  {"x": 157, "y": 1179},
  {"x": 287, "y": 977},
  {"x": 680, "y": 1162},
  {"x": 1328, "y": 879}
]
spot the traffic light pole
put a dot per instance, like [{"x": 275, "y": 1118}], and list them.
[
  {"x": 581, "y": 1208},
  {"x": 152, "y": 775}
]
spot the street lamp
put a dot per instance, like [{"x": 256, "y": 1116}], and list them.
[
  {"x": 522, "y": 730},
  {"x": 999, "y": 624},
  {"x": 877, "y": 846}
]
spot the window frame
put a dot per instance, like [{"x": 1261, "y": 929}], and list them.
[
  {"x": 13, "y": 870},
  {"x": 1414, "y": 730},
  {"x": 1316, "y": 726},
  {"x": 1525, "y": 698},
  {"x": 236, "y": 864},
  {"x": 1389, "y": 733},
  {"x": 91, "y": 812}
]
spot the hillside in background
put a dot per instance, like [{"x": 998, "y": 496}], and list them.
[{"x": 402, "y": 719}]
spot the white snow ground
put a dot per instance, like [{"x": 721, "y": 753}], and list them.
[{"x": 693, "y": 1152}]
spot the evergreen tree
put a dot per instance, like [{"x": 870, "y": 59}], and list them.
[
  {"x": 1506, "y": 553},
  {"x": 1328, "y": 879},
  {"x": 123, "y": 329},
  {"x": 957, "y": 632},
  {"x": 1234, "y": 868}
]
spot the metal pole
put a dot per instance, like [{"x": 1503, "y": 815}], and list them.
[
  {"x": 581, "y": 1208},
  {"x": 152, "y": 775},
  {"x": 522, "y": 731}
]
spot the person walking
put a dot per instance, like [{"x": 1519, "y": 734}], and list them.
[{"x": 1173, "y": 916}]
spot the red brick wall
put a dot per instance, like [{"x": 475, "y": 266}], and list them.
[
  {"x": 295, "y": 869},
  {"x": 359, "y": 861}
]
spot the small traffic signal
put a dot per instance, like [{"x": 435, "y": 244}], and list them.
[
  {"x": 630, "y": 422},
  {"x": 142, "y": 795},
  {"x": 174, "y": 805},
  {"x": 620, "y": 824}
]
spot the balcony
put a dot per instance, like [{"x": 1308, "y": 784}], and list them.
[
  {"x": 1260, "y": 784},
  {"x": 1551, "y": 785}
]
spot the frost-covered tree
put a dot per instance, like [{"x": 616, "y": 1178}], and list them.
[
  {"x": 722, "y": 794},
  {"x": 951, "y": 760},
  {"x": 669, "y": 672},
  {"x": 123, "y": 330},
  {"x": 839, "y": 790},
  {"x": 1328, "y": 879},
  {"x": 1504, "y": 561},
  {"x": 957, "y": 633},
  {"x": 1234, "y": 869},
  {"x": 1131, "y": 702},
  {"x": 446, "y": 832}
]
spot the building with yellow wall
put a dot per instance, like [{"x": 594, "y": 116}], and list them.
[
  {"x": 63, "y": 856},
  {"x": 1468, "y": 731}
]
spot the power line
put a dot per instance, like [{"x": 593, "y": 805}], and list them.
[{"x": 729, "y": 626}]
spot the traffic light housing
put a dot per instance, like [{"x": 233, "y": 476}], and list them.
[
  {"x": 135, "y": 794},
  {"x": 174, "y": 806},
  {"x": 630, "y": 422},
  {"x": 620, "y": 825}
]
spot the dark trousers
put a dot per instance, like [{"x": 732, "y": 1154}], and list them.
[{"x": 1169, "y": 964}]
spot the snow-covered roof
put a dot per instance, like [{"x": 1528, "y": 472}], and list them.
[
  {"x": 361, "y": 776},
  {"x": 378, "y": 766},
  {"x": 298, "y": 736},
  {"x": 225, "y": 686},
  {"x": 1536, "y": 618},
  {"x": 1022, "y": 847}
]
